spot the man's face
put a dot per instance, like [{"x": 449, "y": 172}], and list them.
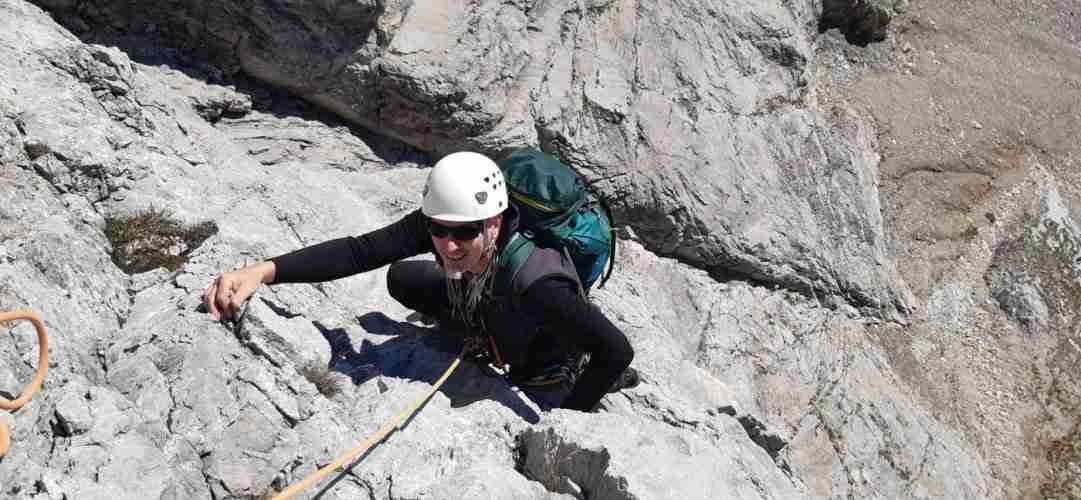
[{"x": 461, "y": 244}]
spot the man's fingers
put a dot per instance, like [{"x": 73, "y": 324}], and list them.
[
  {"x": 230, "y": 298},
  {"x": 210, "y": 299},
  {"x": 224, "y": 297},
  {"x": 242, "y": 289}
]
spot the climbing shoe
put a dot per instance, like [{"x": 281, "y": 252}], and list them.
[
  {"x": 550, "y": 375},
  {"x": 627, "y": 380}
]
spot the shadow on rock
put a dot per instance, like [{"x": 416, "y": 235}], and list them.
[
  {"x": 163, "y": 41},
  {"x": 420, "y": 354}
]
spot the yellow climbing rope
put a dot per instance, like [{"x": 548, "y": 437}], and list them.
[
  {"x": 392, "y": 425},
  {"x": 39, "y": 377}
]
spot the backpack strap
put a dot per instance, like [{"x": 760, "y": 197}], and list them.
[
  {"x": 612, "y": 253},
  {"x": 510, "y": 261}
]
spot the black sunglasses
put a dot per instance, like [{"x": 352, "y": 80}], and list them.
[{"x": 459, "y": 233}]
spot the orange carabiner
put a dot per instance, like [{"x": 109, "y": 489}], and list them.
[{"x": 39, "y": 377}]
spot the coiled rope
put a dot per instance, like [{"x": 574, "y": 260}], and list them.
[
  {"x": 392, "y": 425},
  {"x": 39, "y": 377}
]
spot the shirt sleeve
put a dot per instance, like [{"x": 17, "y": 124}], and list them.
[
  {"x": 338, "y": 258},
  {"x": 582, "y": 324}
]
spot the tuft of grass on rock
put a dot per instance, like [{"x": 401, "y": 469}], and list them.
[
  {"x": 153, "y": 238},
  {"x": 323, "y": 379}
]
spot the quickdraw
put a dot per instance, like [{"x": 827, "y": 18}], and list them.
[{"x": 39, "y": 377}]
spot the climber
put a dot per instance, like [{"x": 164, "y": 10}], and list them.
[{"x": 541, "y": 325}]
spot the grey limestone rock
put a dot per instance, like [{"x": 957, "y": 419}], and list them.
[
  {"x": 1034, "y": 277},
  {"x": 1020, "y": 299},
  {"x": 697, "y": 121},
  {"x": 749, "y": 389},
  {"x": 807, "y": 381},
  {"x": 603, "y": 457},
  {"x": 219, "y": 101}
]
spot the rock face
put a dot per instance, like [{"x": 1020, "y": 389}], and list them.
[
  {"x": 148, "y": 398},
  {"x": 812, "y": 377},
  {"x": 980, "y": 193},
  {"x": 1035, "y": 278},
  {"x": 732, "y": 165},
  {"x": 1040, "y": 267},
  {"x": 775, "y": 383}
]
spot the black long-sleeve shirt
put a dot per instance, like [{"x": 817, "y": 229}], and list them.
[{"x": 556, "y": 300}]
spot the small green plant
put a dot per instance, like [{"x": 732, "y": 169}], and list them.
[
  {"x": 153, "y": 238},
  {"x": 322, "y": 378},
  {"x": 970, "y": 232}
]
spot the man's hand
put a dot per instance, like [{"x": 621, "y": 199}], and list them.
[{"x": 229, "y": 291}]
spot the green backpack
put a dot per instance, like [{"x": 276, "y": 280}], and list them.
[{"x": 556, "y": 211}]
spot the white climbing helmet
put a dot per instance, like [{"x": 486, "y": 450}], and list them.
[{"x": 464, "y": 187}]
